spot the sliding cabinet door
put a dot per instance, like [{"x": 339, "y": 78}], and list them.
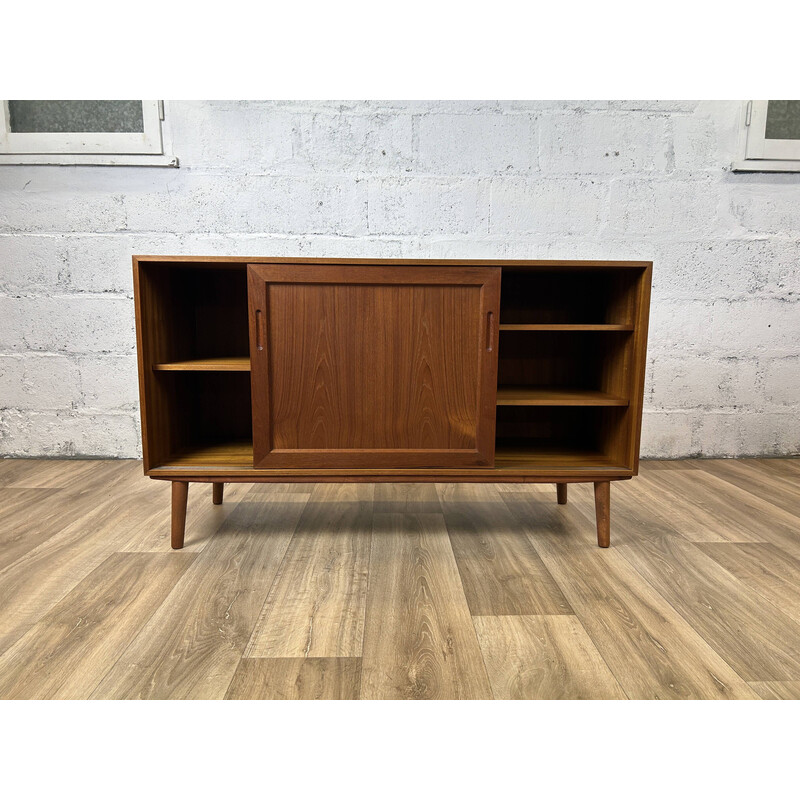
[{"x": 373, "y": 366}]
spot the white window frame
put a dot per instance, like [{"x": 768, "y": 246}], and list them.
[
  {"x": 756, "y": 152},
  {"x": 111, "y": 149}
]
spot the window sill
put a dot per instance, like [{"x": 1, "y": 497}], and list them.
[
  {"x": 87, "y": 159},
  {"x": 765, "y": 165}
]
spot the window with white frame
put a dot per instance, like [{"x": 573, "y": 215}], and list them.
[
  {"x": 769, "y": 138},
  {"x": 112, "y": 132}
]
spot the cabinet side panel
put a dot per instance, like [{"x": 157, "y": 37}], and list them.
[
  {"x": 639, "y": 364},
  {"x": 152, "y": 294}
]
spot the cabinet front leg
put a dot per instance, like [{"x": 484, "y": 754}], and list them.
[
  {"x": 561, "y": 493},
  {"x": 602, "y": 507},
  {"x": 217, "y": 493},
  {"x": 180, "y": 493}
]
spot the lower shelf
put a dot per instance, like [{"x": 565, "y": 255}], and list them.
[
  {"x": 238, "y": 453},
  {"x": 546, "y": 456},
  {"x": 508, "y": 457}
]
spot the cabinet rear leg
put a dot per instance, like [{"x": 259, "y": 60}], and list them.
[
  {"x": 602, "y": 507},
  {"x": 217, "y": 493},
  {"x": 561, "y": 493},
  {"x": 180, "y": 493}
]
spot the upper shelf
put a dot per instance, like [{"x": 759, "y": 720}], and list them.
[
  {"x": 504, "y": 326},
  {"x": 535, "y": 396},
  {"x": 232, "y": 364}
]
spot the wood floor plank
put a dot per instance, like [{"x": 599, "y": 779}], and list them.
[
  {"x": 708, "y": 503},
  {"x": 419, "y": 642},
  {"x": 191, "y": 647},
  {"x": 760, "y": 642},
  {"x": 543, "y": 658},
  {"x": 36, "y": 581},
  {"x": 296, "y": 679},
  {"x": 265, "y": 491},
  {"x": 66, "y": 653},
  {"x": 787, "y": 467},
  {"x": 500, "y": 570},
  {"x": 692, "y": 515},
  {"x": 315, "y": 608},
  {"x": 406, "y": 498},
  {"x": 782, "y": 491},
  {"x": 649, "y": 648},
  {"x": 21, "y": 530},
  {"x": 699, "y": 585},
  {"x": 777, "y": 690},
  {"x": 647, "y": 465},
  {"x": 203, "y": 518},
  {"x": 765, "y": 568},
  {"x": 17, "y": 472},
  {"x": 635, "y": 511},
  {"x": 39, "y": 473}
]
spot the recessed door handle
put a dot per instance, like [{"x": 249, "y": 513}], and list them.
[
  {"x": 490, "y": 331},
  {"x": 259, "y": 333}
]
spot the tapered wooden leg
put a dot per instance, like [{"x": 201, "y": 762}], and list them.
[
  {"x": 217, "y": 493},
  {"x": 180, "y": 493},
  {"x": 561, "y": 493},
  {"x": 602, "y": 507}
]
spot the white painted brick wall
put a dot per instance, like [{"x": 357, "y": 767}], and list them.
[{"x": 482, "y": 179}]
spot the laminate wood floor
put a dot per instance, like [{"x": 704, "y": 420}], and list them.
[{"x": 404, "y": 591}]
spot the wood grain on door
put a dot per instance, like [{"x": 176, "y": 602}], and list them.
[{"x": 372, "y": 366}]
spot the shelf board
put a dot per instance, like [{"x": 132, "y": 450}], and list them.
[
  {"x": 506, "y": 326},
  {"x": 219, "y": 454},
  {"x": 538, "y": 396},
  {"x": 549, "y": 455},
  {"x": 232, "y": 364},
  {"x": 511, "y": 456}
]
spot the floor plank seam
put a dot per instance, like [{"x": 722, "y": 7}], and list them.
[
  {"x": 565, "y": 589},
  {"x": 133, "y": 637},
  {"x": 684, "y": 618},
  {"x": 560, "y": 586},
  {"x": 366, "y": 604},
  {"x": 670, "y": 586},
  {"x": 775, "y": 603}
]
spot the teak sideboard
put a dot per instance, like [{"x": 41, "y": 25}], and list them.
[{"x": 375, "y": 370}]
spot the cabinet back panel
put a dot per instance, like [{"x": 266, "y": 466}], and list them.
[
  {"x": 219, "y": 307},
  {"x": 568, "y": 296},
  {"x": 552, "y": 428},
  {"x": 583, "y": 360}
]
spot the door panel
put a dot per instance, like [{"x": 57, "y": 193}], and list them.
[{"x": 373, "y": 366}]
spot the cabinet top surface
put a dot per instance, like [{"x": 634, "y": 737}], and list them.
[{"x": 454, "y": 262}]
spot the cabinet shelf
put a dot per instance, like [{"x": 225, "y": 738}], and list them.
[
  {"x": 232, "y": 364},
  {"x": 511, "y": 454},
  {"x": 233, "y": 453},
  {"x": 506, "y": 326},
  {"x": 538, "y": 396}
]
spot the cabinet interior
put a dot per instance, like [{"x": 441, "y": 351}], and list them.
[
  {"x": 566, "y": 365},
  {"x": 196, "y": 363}
]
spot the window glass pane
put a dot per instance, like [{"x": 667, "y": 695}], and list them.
[
  {"x": 75, "y": 116},
  {"x": 783, "y": 119}
]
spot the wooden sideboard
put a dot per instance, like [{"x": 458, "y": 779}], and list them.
[{"x": 376, "y": 370}]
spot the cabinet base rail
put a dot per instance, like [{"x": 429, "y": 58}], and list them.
[{"x": 180, "y": 495}]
